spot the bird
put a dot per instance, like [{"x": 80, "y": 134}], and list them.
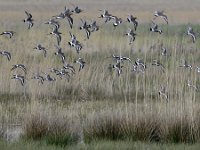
[
  {"x": 198, "y": 69},
  {"x": 118, "y": 67},
  {"x": 41, "y": 48},
  {"x": 154, "y": 28},
  {"x": 191, "y": 33},
  {"x": 132, "y": 19},
  {"x": 120, "y": 58},
  {"x": 93, "y": 26},
  {"x": 57, "y": 34},
  {"x": 28, "y": 20},
  {"x": 189, "y": 84},
  {"x": 62, "y": 72},
  {"x": 67, "y": 14},
  {"x": 160, "y": 14},
  {"x": 76, "y": 9},
  {"x": 117, "y": 21},
  {"x": 162, "y": 93},
  {"x": 157, "y": 63},
  {"x": 131, "y": 35},
  {"x": 9, "y": 33},
  {"x": 140, "y": 63},
  {"x": 48, "y": 77},
  {"x": 186, "y": 65},
  {"x": 75, "y": 43},
  {"x": 69, "y": 67},
  {"x": 21, "y": 66},
  {"x": 7, "y": 54},
  {"x": 105, "y": 15},
  {"x": 20, "y": 78},
  {"x": 54, "y": 70},
  {"x": 164, "y": 51},
  {"x": 85, "y": 27},
  {"x": 80, "y": 62},
  {"x": 60, "y": 53},
  {"x": 53, "y": 22},
  {"x": 38, "y": 77},
  {"x": 59, "y": 16}
]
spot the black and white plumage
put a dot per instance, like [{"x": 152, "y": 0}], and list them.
[
  {"x": 41, "y": 48},
  {"x": 7, "y": 54},
  {"x": 189, "y": 84},
  {"x": 21, "y": 66},
  {"x": 158, "y": 63},
  {"x": 117, "y": 21},
  {"x": 9, "y": 33},
  {"x": 75, "y": 43},
  {"x": 160, "y": 14},
  {"x": 60, "y": 53},
  {"x": 20, "y": 78},
  {"x": 106, "y": 15},
  {"x": 154, "y": 28},
  {"x": 56, "y": 33},
  {"x": 28, "y": 20},
  {"x": 118, "y": 67},
  {"x": 38, "y": 77},
  {"x": 81, "y": 62},
  {"x": 54, "y": 23},
  {"x": 133, "y": 20},
  {"x": 93, "y": 26},
  {"x": 85, "y": 27},
  {"x": 191, "y": 33},
  {"x": 69, "y": 67},
  {"x": 131, "y": 36},
  {"x": 163, "y": 94},
  {"x": 186, "y": 65},
  {"x": 120, "y": 58}
]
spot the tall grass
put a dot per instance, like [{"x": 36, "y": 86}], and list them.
[{"x": 96, "y": 103}]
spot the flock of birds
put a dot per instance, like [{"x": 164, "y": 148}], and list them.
[{"x": 67, "y": 69}]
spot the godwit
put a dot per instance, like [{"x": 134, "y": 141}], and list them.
[
  {"x": 162, "y": 93},
  {"x": 191, "y": 33},
  {"x": 93, "y": 26},
  {"x": 106, "y": 15},
  {"x": 19, "y": 77},
  {"x": 186, "y": 65},
  {"x": 41, "y": 48},
  {"x": 189, "y": 84},
  {"x": 117, "y": 21},
  {"x": 139, "y": 62},
  {"x": 160, "y": 14},
  {"x": 53, "y": 22},
  {"x": 154, "y": 28},
  {"x": 21, "y": 66},
  {"x": 9, "y": 33},
  {"x": 132, "y": 19},
  {"x": 60, "y": 53},
  {"x": 57, "y": 34},
  {"x": 85, "y": 27},
  {"x": 38, "y": 77},
  {"x": 28, "y": 20},
  {"x": 80, "y": 62},
  {"x": 131, "y": 35},
  {"x": 118, "y": 67},
  {"x": 157, "y": 63},
  {"x": 7, "y": 54},
  {"x": 69, "y": 67}
]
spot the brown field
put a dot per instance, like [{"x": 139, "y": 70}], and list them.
[{"x": 96, "y": 103}]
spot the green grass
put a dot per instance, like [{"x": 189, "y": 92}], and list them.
[{"x": 97, "y": 145}]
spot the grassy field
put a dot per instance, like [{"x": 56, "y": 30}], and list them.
[
  {"x": 95, "y": 104},
  {"x": 98, "y": 145}
]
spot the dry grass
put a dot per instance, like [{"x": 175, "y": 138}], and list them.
[{"x": 95, "y": 103}]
